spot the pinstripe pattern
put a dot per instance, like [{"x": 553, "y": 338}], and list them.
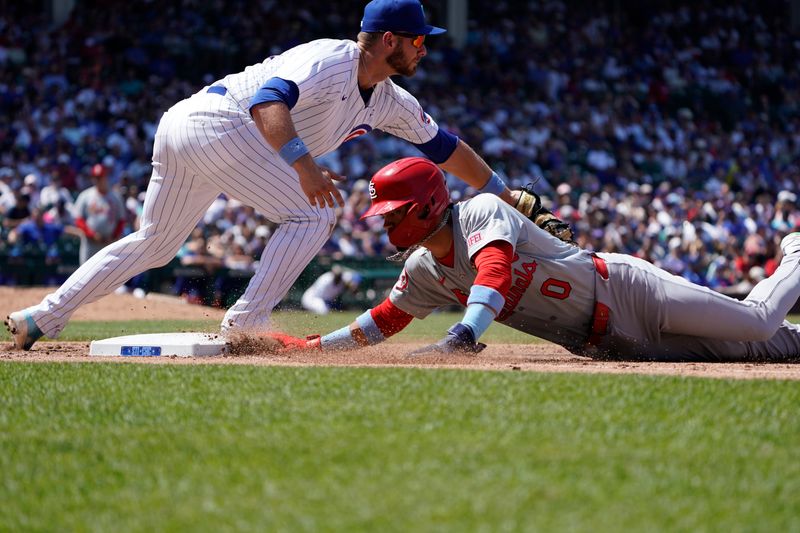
[{"x": 208, "y": 144}]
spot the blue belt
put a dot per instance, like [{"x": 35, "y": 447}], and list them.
[{"x": 217, "y": 89}]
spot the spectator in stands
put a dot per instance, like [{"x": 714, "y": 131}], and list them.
[
  {"x": 237, "y": 258},
  {"x": 7, "y": 199},
  {"x": 99, "y": 214},
  {"x": 192, "y": 283},
  {"x": 701, "y": 96},
  {"x": 20, "y": 211},
  {"x": 36, "y": 235},
  {"x": 67, "y": 175},
  {"x": 54, "y": 193},
  {"x": 62, "y": 215},
  {"x": 30, "y": 186},
  {"x": 787, "y": 216}
]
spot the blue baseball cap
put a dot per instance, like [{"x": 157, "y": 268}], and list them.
[{"x": 397, "y": 16}]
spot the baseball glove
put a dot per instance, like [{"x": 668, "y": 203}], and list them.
[{"x": 530, "y": 205}]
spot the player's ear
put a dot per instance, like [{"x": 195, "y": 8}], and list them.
[{"x": 389, "y": 39}]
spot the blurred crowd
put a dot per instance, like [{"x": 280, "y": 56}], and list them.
[{"x": 669, "y": 130}]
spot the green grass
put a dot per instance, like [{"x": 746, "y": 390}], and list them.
[
  {"x": 108, "y": 447},
  {"x": 123, "y": 447}
]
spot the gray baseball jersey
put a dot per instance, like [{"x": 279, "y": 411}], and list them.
[
  {"x": 209, "y": 144},
  {"x": 102, "y": 213},
  {"x": 556, "y": 287}
]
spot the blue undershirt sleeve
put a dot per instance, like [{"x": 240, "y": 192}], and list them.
[
  {"x": 440, "y": 148},
  {"x": 276, "y": 90}
]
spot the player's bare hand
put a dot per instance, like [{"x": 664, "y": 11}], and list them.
[
  {"x": 333, "y": 175},
  {"x": 318, "y": 186}
]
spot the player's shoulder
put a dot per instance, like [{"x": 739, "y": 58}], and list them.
[
  {"x": 482, "y": 203},
  {"x": 421, "y": 263},
  {"x": 325, "y": 48},
  {"x": 485, "y": 209},
  {"x": 486, "y": 198},
  {"x": 86, "y": 193},
  {"x": 391, "y": 88}
]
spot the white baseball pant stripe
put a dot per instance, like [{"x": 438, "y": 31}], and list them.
[{"x": 204, "y": 146}]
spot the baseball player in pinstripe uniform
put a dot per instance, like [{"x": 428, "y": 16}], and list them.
[
  {"x": 254, "y": 136},
  {"x": 486, "y": 256}
]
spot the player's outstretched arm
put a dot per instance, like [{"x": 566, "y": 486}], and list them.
[
  {"x": 473, "y": 170},
  {"x": 372, "y": 327},
  {"x": 486, "y": 300},
  {"x": 275, "y": 124}
]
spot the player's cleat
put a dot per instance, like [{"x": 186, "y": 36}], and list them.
[
  {"x": 791, "y": 243},
  {"x": 23, "y": 329}
]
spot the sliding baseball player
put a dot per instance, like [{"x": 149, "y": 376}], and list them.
[{"x": 497, "y": 264}]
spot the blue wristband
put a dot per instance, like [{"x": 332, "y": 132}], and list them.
[
  {"x": 478, "y": 317},
  {"x": 341, "y": 339},
  {"x": 495, "y": 185},
  {"x": 371, "y": 330},
  {"x": 479, "y": 294},
  {"x": 293, "y": 150}
]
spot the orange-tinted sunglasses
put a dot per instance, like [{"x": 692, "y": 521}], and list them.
[{"x": 417, "y": 40}]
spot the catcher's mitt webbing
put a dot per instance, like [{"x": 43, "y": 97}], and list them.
[{"x": 529, "y": 203}]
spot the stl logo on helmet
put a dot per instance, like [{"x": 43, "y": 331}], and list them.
[{"x": 372, "y": 194}]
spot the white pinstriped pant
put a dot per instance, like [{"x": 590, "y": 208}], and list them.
[{"x": 205, "y": 145}]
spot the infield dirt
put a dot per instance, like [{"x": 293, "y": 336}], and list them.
[{"x": 504, "y": 357}]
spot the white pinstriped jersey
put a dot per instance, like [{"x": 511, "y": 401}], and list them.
[
  {"x": 329, "y": 109},
  {"x": 552, "y": 292},
  {"x": 209, "y": 144}
]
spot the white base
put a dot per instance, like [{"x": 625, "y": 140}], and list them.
[{"x": 161, "y": 344}]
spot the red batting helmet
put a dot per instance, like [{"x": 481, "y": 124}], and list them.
[
  {"x": 98, "y": 170},
  {"x": 413, "y": 181}
]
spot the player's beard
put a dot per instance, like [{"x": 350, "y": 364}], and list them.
[{"x": 399, "y": 64}]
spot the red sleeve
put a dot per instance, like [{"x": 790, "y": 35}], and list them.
[
  {"x": 81, "y": 223},
  {"x": 389, "y": 318},
  {"x": 119, "y": 228},
  {"x": 494, "y": 266}
]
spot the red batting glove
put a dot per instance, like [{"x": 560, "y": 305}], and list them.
[{"x": 288, "y": 342}]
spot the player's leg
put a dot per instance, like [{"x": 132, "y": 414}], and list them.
[
  {"x": 292, "y": 246},
  {"x": 241, "y": 163},
  {"x": 783, "y": 346},
  {"x": 694, "y": 310},
  {"x": 174, "y": 202},
  {"x": 652, "y": 301},
  {"x": 315, "y": 304},
  {"x": 775, "y": 291}
]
